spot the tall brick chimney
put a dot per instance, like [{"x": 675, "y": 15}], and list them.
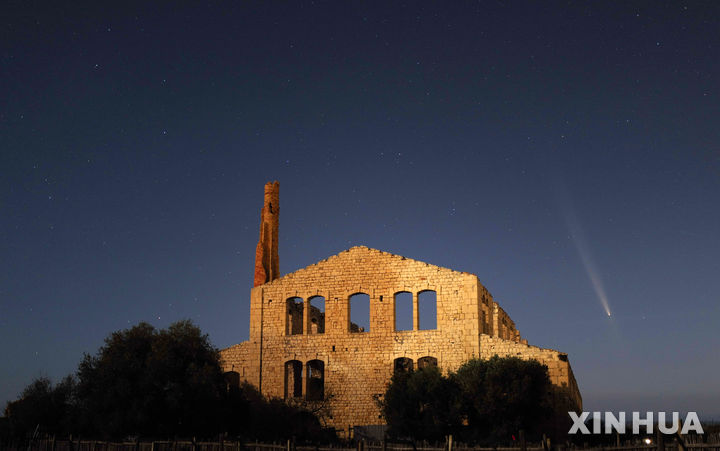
[{"x": 267, "y": 264}]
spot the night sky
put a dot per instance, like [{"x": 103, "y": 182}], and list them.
[{"x": 568, "y": 153}]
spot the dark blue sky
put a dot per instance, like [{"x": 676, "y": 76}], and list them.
[{"x": 565, "y": 152}]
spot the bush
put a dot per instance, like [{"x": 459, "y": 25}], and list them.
[
  {"x": 422, "y": 404},
  {"x": 502, "y": 396},
  {"x": 485, "y": 401}
]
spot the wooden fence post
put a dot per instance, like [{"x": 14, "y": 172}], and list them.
[
  {"x": 660, "y": 441},
  {"x": 681, "y": 442}
]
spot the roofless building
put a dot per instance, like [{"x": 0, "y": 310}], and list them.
[{"x": 304, "y": 344}]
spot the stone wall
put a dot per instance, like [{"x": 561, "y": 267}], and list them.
[
  {"x": 357, "y": 365},
  {"x": 286, "y": 345},
  {"x": 559, "y": 369},
  {"x": 243, "y": 359}
]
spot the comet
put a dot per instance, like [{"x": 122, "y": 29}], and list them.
[{"x": 583, "y": 250}]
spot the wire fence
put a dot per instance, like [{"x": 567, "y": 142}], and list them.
[{"x": 710, "y": 442}]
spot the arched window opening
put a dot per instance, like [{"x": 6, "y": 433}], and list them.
[
  {"x": 424, "y": 362},
  {"x": 403, "y": 310},
  {"x": 427, "y": 310},
  {"x": 316, "y": 315},
  {"x": 403, "y": 364},
  {"x": 232, "y": 380},
  {"x": 294, "y": 324},
  {"x": 359, "y": 314},
  {"x": 293, "y": 379},
  {"x": 315, "y": 380}
]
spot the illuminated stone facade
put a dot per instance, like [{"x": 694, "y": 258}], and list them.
[{"x": 297, "y": 350}]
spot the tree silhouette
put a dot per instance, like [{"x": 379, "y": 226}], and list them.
[
  {"x": 151, "y": 383},
  {"x": 502, "y": 396},
  {"x": 42, "y": 409},
  {"x": 485, "y": 401},
  {"x": 161, "y": 384},
  {"x": 422, "y": 404}
]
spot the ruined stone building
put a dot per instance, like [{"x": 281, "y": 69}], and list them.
[{"x": 303, "y": 343}]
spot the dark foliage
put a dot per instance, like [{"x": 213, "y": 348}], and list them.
[
  {"x": 160, "y": 384},
  {"x": 502, "y": 396},
  {"x": 249, "y": 415},
  {"x": 422, "y": 405},
  {"x": 485, "y": 402},
  {"x": 151, "y": 383},
  {"x": 41, "y": 409}
]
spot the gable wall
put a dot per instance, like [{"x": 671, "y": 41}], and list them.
[{"x": 359, "y": 365}]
